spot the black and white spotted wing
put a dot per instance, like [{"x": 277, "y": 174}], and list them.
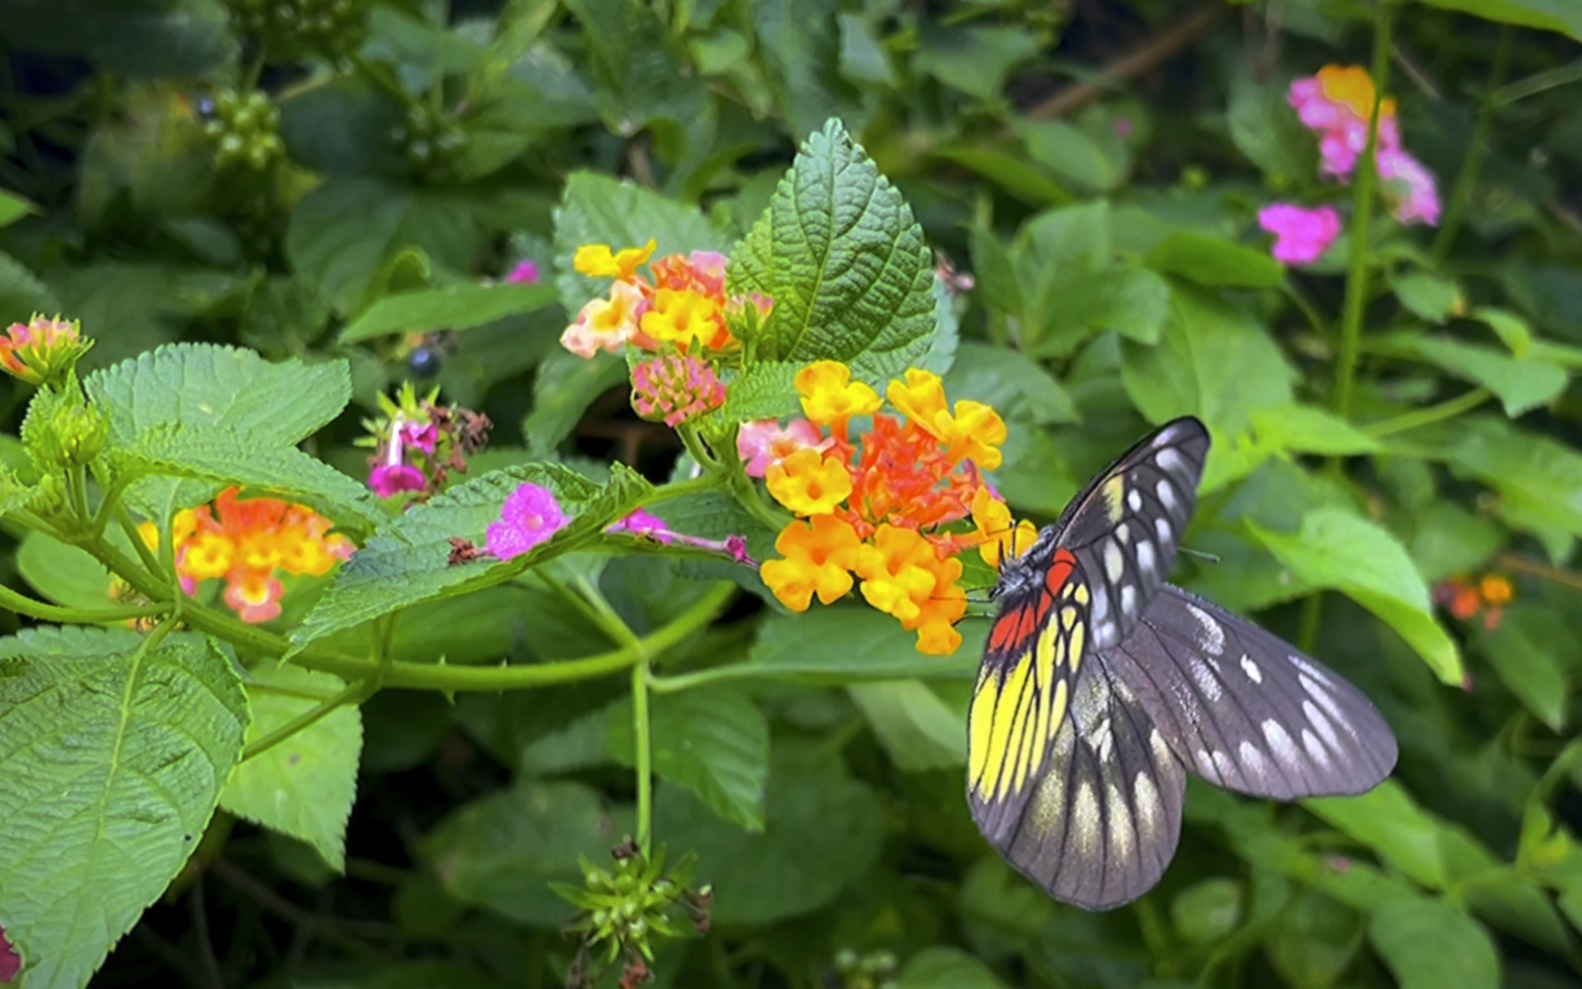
[
  {"x": 1245, "y": 710},
  {"x": 1125, "y": 525}
]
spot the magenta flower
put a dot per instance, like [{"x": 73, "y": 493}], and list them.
[
  {"x": 423, "y": 437},
  {"x": 640, "y": 523},
  {"x": 765, "y": 442},
  {"x": 675, "y": 389},
  {"x": 389, "y": 480},
  {"x": 525, "y": 273},
  {"x": 10, "y": 961},
  {"x": 529, "y": 517},
  {"x": 1301, "y": 235},
  {"x": 1410, "y": 186}
]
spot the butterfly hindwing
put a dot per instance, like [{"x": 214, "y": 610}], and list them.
[
  {"x": 1124, "y": 527},
  {"x": 1245, "y": 710}
]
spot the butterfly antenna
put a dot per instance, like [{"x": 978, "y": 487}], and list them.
[{"x": 1199, "y": 554}]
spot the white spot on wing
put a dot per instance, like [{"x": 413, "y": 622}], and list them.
[
  {"x": 1312, "y": 671},
  {"x": 1253, "y": 759},
  {"x": 1207, "y": 683},
  {"x": 1321, "y": 724},
  {"x": 1224, "y": 767},
  {"x": 1145, "y": 557},
  {"x": 1168, "y": 459},
  {"x": 1114, "y": 561},
  {"x": 1251, "y": 669},
  {"x": 1328, "y": 703},
  {"x": 1128, "y": 599},
  {"x": 1120, "y": 822},
  {"x": 1315, "y": 748},
  {"x": 1166, "y": 493},
  {"x": 1280, "y": 742},
  {"x": 1145, "y": 797},
  {"x": 1212, "y": 637},
  {"x": 1085, "y": 815},
  {"x": 1134, "y": 498}
]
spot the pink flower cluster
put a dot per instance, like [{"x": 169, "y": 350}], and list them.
[
  {"x": 1301, "y": 236},
  {"x": 675, "y": 389}
]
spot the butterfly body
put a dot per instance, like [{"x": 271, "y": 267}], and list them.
[{"x": 1102, "y": 686}]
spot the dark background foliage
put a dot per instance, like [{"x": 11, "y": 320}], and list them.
[{"x": 264, "y": 173}]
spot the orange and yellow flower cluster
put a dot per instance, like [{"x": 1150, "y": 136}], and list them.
[
  {"x": 877, "y": 504},
  {"x": 246, "y": 543},
  {"x": 1465, "y": 597},
  {"x": 681, "y": 307}
]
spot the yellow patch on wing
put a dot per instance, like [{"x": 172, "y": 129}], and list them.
[
  {"x": 1012, "y": 718},
  {"x": 1115, "y": 497},
  {"x": 1075, "y": 640},
  {"x": 1082, "y": 594}
]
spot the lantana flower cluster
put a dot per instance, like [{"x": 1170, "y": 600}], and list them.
[
  {"x": 1466, "y": 597},
  {"x": 1337, "y": 105},
  {"x": 248, "y": 544},
  {"x": 42, "y": 348},
  {"x": 881, "y": 504},
  {"x": 419, "y": 444}
]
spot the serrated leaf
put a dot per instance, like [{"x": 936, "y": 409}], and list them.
[
  {"x": 824, "y": 836},
  {"x": 596, "y": 209},
  {"x": 1521, "y": 385},
  {"x": 946, "y": 968},
  {"x": 853, "y": 644},
  {"x": 1343, "y": 551},
  {"x": 206, "y": 385},
  {"x": 1448, "y": 540},
  {"x": 644, "y": 77},
  {"x": 408, "y": 560},
  {"x": 918, "y": 730},
  {"x": 223, "y": 457},
  {"x": 454, "y": 307},
  {"x": 712, "y": 741},
  {"x": 1431, "y": 944},
  {"x": 766, "y": 390},
  {"x": 305, "y": 785},
  {"x": 1214, "y": 263},
  {"x": 116, "y": 753},
  {"x": 503, "y": 850},
  {"x": 845, "y": 263}
]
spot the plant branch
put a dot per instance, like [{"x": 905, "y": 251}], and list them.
[
  {"x": 17, "y": 602},
  {"x": 354, "y": 693},
  {"x": 1418, "y": 418}
]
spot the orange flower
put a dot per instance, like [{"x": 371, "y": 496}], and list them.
[
  {"x": 596, "y": 261},
  {"x": 905, "y": 576},
  {"x": 818, "y": 557},
  {"x": 809, "y": 483},
  {"x": 1352, "y": 87},
  {"x": 1496, "y": 589},
  {"x": 829, "y": 396}
]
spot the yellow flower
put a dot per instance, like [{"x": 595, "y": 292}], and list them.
[
  {"x": 818, "y": 557},
  {"x": 1496, "y": 590},
  {"x": 596, "y": 261},
  {"x": 1353, "y": 87},
  {"x": 809, "y": 483},
  {"x": 936, "y": 623},
  {"x": 921, "y": 399},
  {"x": 605, "y": 324},
  {"x": 208, "y": 555},
  {"x": 974, "y": 433},
  {"x": 829, "y": 395},
  {"x": 902, "y": 575},
  {"x": 993, "y": 519},
  {"x": 679, "y": 317}
]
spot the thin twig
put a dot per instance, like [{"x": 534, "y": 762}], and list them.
[{"x": 1164, "y": 46}]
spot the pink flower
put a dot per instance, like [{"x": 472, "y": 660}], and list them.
[
  {"x": 1336, "y": 105},
  {"x": 525, "y": 273},
  {"x": 529, "y": 517},
  {"x": 640, "y": 523},
  {"x": 41, "y": 348},
  {"x": 606, "y": 324},
  {"x": 423, "y": 437},
  {"x": 254, "y": 596},
  {"x": 1301, "y": 235},
  {"x": 10, "y": 961},
  {"x": 1410, "y": 186},
  {"x": 765, "y": 443},
  {"x": 389, "y": 480},
  {"x": 675, "y": 389}
]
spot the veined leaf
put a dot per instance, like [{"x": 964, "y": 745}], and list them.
[{"x": 454, "y": 307}]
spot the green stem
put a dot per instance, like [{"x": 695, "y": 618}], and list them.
[
  {"x": 1467, "y": 177},
  {"x": 1305, "y": 306},
  {"x": 1536, "y": 83},
  {"x": 12, "y": 600},
  {"x": 1312, "y": 616},
  {"x": 433, "y": 676},
  {"x": 645, "y": 773},
  {"x": 1362, "y": 220},
  {"x": 354, "y": 693},
  {"x": 747, "y": 496},
  {"x": 1434, "y": 413},
  {"x": 605, "y": 616}
]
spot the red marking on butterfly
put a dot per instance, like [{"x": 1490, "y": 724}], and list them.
[{"x": 1059, "y": 571}]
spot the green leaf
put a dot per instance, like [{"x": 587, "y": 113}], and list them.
[
  {"x": 946, "y": 968},
  {"x": 1521, "y": 385},
  {"x": 1308, "y": 429},
  {"x": 917, "y": 728},
  {"x": 644, "y": 79},
  {"x": 1266, "y": 129},
  {"x": 1428, "y": 295},
  {"x": 1532, "y": 650},
  {"x": 22, "y": 293},
  {"x": 1431, "y": 944},
  {"x": 204, "y": 385},
  {"x": 765, "y": 390},
  {"x": 137, "y": 38},
  {"x": 845, "y": 263},
  {"x": 344, "y": 232},
  {"x": 117, "y": 751},
  {"x": 845, "y": 644},
  {"x": 1213, "y": 361},
  {"x": 1315, "y": 940},
  {"x": 1386, "y": 820},
  {"x": 975, "y": 60},
  {"x": 596, "y": 209},
  {"x": 563, "y": 389},
  {"x": 1538, "y": 479},
  {"x": 1340, "y": 550},
  {"x": 454, "y": 307},
  {"x": 408, "y": 561},
  {"x": 223, "y": 457},
  {"x": 502, "y": 851},
  {"x": 1549, "y": 15},
  {"x": 1214, "y": 263},
  {"x": 1079, "y": 160},
  {"x": 713, "y": 741},
  {"x": 305, "y": 785},
  {"x": 1014, "y": 384},
  {"x": 1206, "y": 912},
  {"x": 13, "y": 208},
  {"x": 825, "y": 833},
  {"x": 1448, "y": 540},
  {"x": 1010, "y": 172},
  {"x": 1074, "y": 303},
  {"x": 63, "y": 573},
  {"x": 799, "y": 46}
]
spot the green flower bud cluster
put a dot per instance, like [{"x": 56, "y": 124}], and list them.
[
  {"x": 622, "y": 908},
  {"x": 874, "y": 970},
  {"x": 431, "y": 140},
  {"x": 246, "y": 130},
  {"x": 290, "y": 29}
]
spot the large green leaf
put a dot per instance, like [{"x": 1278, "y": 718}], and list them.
[
  {"x": 305, "y": 785},
  {"x": 1539, "y": 480},
  {"x": 1551, "y": 15},
  {"x": 454, "y": 307},
  {"x": 1014, "y": 384},
  {"x": 824, "y": 835},
  {"x": 1338, "y": 549},
  {"x": 408, "y": 561},
  {"x": 1522, "y": 384},
  {"x": 853, "y": 643},
  {"x": 1431, "y": 944},
  {"x": 501, "y": 851},
  {"x": 1534, "y": 652},
  {"x": 1388, "y": 822},
  {"x": 845, "y": 263},
  {"x": 1214, "y": 263},
  {"x": 917, "y": 728},
  {"x": 714, "y": 741},
  {"x": 946, "y": 968},
  {"x": 115, "y": 751}
]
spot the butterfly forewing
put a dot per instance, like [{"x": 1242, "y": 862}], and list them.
[
  {"x": 1245, "y": 710},
  {"x": 1124, "y": 527}
]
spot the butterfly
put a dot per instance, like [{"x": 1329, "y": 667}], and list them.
[{"x": 1102, "y": 686}]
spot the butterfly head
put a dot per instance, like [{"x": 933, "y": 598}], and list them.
[{"x": 1022, "y": 569}]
